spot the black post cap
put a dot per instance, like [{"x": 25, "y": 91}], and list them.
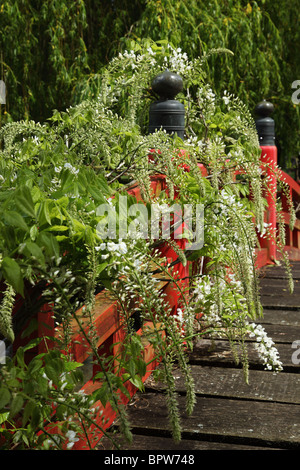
[
  {"x": 167, "y": 85},
  {"x": 167, "y": 113},
  {"x": 265, "y": 125}
]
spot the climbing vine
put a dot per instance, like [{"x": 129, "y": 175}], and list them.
[{"x": 54, "y": 178}]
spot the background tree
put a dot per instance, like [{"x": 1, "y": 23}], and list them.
[
  {"x": 52, "y": 52},
  {"x": 261, "y": 34},
  {"x": 43, "y": 54}
]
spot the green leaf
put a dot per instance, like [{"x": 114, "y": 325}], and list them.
[
  {"x": 141, "y": 367},
  {"x": 125, "y": 377},
  {"x": 35, "y": 417},
  {"x": 36, "y": 252},
  {"x": 16, "y": 220},
  {"x": 97, "y": 196},
  {"x": 103, "y": 186},
  {"x": 49, "y": 242},
  {"x": 107, "y": 283},
  {"x": 13, "y": 383},
  {"x": 3, "y": 418},
  {"x": 45, "y": 213},
  {"x": 131, "y": 367},
  {"x": 33, "y": 232},
  {"x": 125, "y": 391},
  {"x": 4, "y": 397},
  {"x": 51, "y": 373},
  {"x": 101, "y": 394},
  {"x": 72, "y": 365},
  {"x": 32, "y": 326},
  {"x": 24, "y": 201},
  {"x": 25, "y": 439},
  {"x": 77, "y": 376},
  {"x": 13, "y": 275},
  {"x": 60, "y": 412},
  {"x": 28, "y": 410},
  {"x": 57, "y": 228},
  {"x": 101, "y": 267},
  {"x": 20, "y": 357},
  {"x": 62, "y": 202},
  {"x": 42, "y": 385},
  {"x": 16, "y": 405},
  {"x": 34, "y": 366},
  {"x": 61, "y": 238},
  {"x": 137, "y": 382}
]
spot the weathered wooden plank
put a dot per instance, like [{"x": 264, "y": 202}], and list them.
[
  {"x": 163, "y": 443},
  {"x": 280, "y": 283},
  {"x": 230, "y": 383},
  {"x": 280, "y": 272},
  {"x": 280, "y": 301},
  {"x": 251, "y": 421},
  {"x": 281, "y": 333},
  {"x": 280, "y": 317},
  {"x": 295, "y": 264},
  {"x": 229, "y": 413},
  {"x": 219, "y": 353},
  {"x": 282, "y": 290}
]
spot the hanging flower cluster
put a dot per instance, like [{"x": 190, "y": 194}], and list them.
[{"x": 265, "y": 347}]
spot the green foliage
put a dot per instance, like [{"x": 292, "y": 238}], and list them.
[
  {"x": 60, "y": 48},
  {"x": 28, "y": 417},
  {"x": 43, "y": 54},
  {"x": 54, "y": 178},
  {"x": 262, "y": 36}
]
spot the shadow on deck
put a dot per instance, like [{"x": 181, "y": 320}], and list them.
[{"x": 229, "y": 414}]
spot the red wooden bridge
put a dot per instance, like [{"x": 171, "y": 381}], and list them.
[{"x": 222, "y": 397}]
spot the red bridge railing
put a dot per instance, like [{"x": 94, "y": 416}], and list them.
[{"x": 288, "y": 192}]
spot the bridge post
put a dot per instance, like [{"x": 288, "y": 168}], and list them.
[
  {"x": 168, "y": 114},
  {"x": 265, "y": 126}
]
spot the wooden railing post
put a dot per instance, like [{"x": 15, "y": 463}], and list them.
[{"x": 265, "y": 126}]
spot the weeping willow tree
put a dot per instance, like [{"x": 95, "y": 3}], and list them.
[
  {"x": 261, "y": 34},
  {"x": 43, "y": 54},
  {"x": 51, "y": 50}
]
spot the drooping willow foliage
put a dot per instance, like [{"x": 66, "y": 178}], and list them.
[
  {"x": 55, "y": 178},
  {"x": 51, "y": 51}
]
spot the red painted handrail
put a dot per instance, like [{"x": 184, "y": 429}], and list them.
[{"x": 291, "y": 194}]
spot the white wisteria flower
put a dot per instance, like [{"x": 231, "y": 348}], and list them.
[
  {"x": 72, "y": 169},
  {"x": 71, "y": 436},
  {"x": 265, "y": 347}
]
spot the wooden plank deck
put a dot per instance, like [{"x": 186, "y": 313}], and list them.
[{"x": 229, "y": 414}]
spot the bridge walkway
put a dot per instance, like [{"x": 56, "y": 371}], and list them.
[{"x": 229, "y": 414}]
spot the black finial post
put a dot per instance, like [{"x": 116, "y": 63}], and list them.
[
  {"x": 265, "y": 125},
  {"x": 167, "y": 113}
]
